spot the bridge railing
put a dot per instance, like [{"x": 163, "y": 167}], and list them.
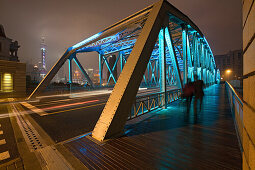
[
  {"x": 150, "y": 102},
  {"x": 236, "y": 104}
]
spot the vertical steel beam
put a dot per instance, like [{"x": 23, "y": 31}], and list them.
[
  {"x": 148, "y": 71},
  {"x": 162, "y": 67},
  {"x": 70, "y": 70},
  {"x": 100, "y": 68},
  {"x": 157, "y": 72},
  {"x": 202, "y": 55},
  {"x": 121, "y": 61},
  {"x": 117, "y": 109},
  {"x": 189, "y": 59},
  {"x": 195, "y": 52},
  {"x": 174, "y": 60},
  {"x": 189, "y": 52},
  {"x": 83, "y": 70},
  {"x": 184, "y": 53}
]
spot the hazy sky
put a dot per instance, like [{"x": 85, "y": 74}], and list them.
[{"x": 63, "y": 23}]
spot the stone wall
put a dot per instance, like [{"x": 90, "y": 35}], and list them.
[{"x": 249, "y": 84}]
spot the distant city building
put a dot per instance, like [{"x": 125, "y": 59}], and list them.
[
  {"x": 42, "y": 62},
  {"x": 12, "y": 72},
  {"x": 90, "y": 72},
  {"x": 230, "y": 65},
  {"x": 77, "y": 77},
  {"x": 35, "y": 74}
]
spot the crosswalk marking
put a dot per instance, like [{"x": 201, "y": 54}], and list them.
[
  {"x": 2, "y": 142},
  {"x": 34, "y": 109},
  {"x": 4, "y": 155},
  {"x": 1, "y": 132}
]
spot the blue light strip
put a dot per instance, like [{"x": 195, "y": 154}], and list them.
[{"x": 86, "y": 41}]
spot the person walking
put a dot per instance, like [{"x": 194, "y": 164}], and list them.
[
  {"x": 199, "y": 92},
  {"x": 188, "y": 92}
]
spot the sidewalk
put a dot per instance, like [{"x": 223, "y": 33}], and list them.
[{"x": 9, "y": 154}]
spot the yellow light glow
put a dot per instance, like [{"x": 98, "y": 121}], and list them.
[
  {"x": 7, "y": 83},
  {"x": 228, "y": 71}
]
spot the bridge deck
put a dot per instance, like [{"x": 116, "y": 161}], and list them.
[{"x": 170, "y": 138}]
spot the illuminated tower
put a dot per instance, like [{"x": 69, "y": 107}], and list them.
[{"x": 43, "y": 59}]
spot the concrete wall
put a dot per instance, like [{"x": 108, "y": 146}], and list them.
[
  {"x": 18, "y": 70},
  {"x": 249, "y": 84}
]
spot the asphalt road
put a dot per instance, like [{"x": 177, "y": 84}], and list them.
[{"x": 70, "y": 117}]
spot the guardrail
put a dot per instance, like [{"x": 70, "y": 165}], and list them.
[
  {"x": 150, "y": 102},
  {"x": 236, "y": 104}
]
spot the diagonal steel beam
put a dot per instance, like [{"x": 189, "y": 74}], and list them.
[
  {"x": 173, "y": 57},
  {"x": 114, "y": 116},
  {"x": 83, "y": 71},
  {"x": 110, "y": 70},
  {"x": 50, "y": 75}
]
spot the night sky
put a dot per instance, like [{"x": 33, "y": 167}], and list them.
[{"x": 63, "y": 23}]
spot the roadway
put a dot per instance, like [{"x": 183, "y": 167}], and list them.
[{"x": 67, "y": 116}]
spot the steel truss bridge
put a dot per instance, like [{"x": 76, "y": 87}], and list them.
[{"x": 157, "y": 46}]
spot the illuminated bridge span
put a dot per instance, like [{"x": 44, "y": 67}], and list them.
[
  {"x": 161, "y": 48},
  {"x": 157, "y": 46}
]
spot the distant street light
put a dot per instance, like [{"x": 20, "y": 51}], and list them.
[{"x": 228, "y": 72}]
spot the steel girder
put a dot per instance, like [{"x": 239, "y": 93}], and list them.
[
  {"x": 183, "y": 54},
  {"x": 113, "y": 117},
  {"x": 118, "y": 106}
]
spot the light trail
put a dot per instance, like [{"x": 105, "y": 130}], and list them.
[
  {"x": 10, "y": 114},
  {"x": 85, "y": 95},
  {"x": 76, "y": 108},
  {"x": 71, "y": 104}
]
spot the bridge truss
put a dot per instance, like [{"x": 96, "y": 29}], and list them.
[{"x": 157, "y": 46}]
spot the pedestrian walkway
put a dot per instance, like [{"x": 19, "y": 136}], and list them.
[
  {"x": 5, "y": 154},
  {"x": 9, "y": 155},
  {"x": 170, "y": 138}
]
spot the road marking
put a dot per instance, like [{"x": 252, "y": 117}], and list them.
[
  {"x": 75, "y": 108},
  {"x": 34, "y": 109},
  {"x": 1, "y": 132},
  {"x": 4, "y": 155},
  {"x": 2, "y": 142},
  {"x": 49, "y": 156}
]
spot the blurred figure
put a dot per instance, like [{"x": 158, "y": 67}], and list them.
[
  {"x": 188, "y": 92},
  {"x": 199, "y": 92}
]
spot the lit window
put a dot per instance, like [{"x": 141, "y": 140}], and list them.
[{"x": 7, "y": 82}]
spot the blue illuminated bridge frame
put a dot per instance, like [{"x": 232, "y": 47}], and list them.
[{"x": 157, "y": 46}]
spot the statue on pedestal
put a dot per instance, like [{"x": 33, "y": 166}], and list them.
[{"x": 14, "y": 46}]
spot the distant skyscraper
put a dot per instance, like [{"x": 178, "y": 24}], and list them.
[{"x": 42, "y": 62}]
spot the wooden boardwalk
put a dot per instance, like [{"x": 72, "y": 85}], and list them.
[{"x": 170, "y": 139}]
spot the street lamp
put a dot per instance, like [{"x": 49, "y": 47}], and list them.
[{"x": 228, "y": 72}]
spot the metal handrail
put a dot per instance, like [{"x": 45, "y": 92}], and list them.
[
  {"x": 235, "y": 93},
  {"x": 237, "y": 110},
  {"x": 150, "y": 102}
]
